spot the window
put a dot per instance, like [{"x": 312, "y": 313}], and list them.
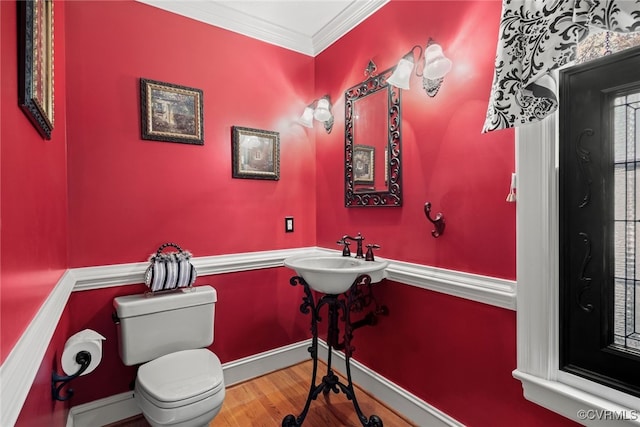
[
  {"x": 600, "y": 121},
  {"x": 626, "y": 161},
  {"x": 538, "y": 288}
]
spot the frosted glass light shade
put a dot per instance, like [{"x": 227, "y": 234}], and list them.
[
  {"x": 322, "y": 112},
  {"x": 436, "y": 65},
  {"x": 402, "y": 74},
  {"x": 306, "y": 119}
]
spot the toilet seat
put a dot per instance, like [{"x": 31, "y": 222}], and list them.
[
  {"x": 180, "y": 378},
  {"x": 180, "y": 386}
]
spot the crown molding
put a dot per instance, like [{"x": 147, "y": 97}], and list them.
[
  {"x": 347, "y": 20},
  {"x": 222, "y": 16}
]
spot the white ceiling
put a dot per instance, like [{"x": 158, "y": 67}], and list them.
[{"x": 305, "y": 26}]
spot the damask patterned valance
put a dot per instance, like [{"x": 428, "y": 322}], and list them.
[{"x": 536, "y": 37}]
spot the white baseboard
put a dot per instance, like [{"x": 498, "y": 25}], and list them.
[
  {"x": 103, "y": 411},
  {"x": 392, "y": 395},
  {"x": 122, "y": 406},
  {"x": 262, "y": 363}
]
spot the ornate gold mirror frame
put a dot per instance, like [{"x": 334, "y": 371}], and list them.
[{"x": 36, "y": 63}]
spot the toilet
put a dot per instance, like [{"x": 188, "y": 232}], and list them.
[{"x": 179, "y": 382}]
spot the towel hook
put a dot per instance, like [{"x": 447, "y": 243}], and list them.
[{"x": 438, "y": 221}]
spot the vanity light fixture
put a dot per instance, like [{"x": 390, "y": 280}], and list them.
[
  {"x": 435, "y": 67},
  {"x": 402, "y": 74},
  {"x": 306, "y": 119},
  {"x": 319, "y": 109}
]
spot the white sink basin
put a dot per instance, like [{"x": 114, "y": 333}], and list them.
[{"x": 334, "y": 274}]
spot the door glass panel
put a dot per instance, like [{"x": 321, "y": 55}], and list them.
[
  {"x": 626, "y": 117},
  {"x": 599, "y": 221}
]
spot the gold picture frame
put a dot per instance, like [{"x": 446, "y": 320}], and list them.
[
  {"x": 36, "y": 83},
  {"x": 255, "y": 153},
  {"x": 171, "y": 112}
]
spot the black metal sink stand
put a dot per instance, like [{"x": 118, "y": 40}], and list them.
[{"x": 355, "y": 299}]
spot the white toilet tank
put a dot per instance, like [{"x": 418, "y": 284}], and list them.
[{"x": 154, "y": 325}]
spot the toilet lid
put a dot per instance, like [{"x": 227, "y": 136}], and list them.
[{"x": 181, "y": 375}]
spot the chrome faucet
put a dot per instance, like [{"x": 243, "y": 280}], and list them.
[{"x": 358, "y": 239}]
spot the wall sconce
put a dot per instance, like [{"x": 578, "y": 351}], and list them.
[
  {"x": 435, "y": 67},
  {"x": 402, "y": 74},
  {"x": 319, "y": 109}
]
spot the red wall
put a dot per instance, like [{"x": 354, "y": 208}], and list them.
[
  {"x": 40, "y": 409},
  {"x": 33, "y": 212},
  {"x": 118, "y": 209},
  {"x": 445, "y": 159},
  {"x": 455, "y": 354},
  {"x": 256, "y": 311},
  {"x": 126, "y": 196},
  {"x": 33, "y": 199}
]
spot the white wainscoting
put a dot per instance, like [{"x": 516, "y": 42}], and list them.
[
  {"x": 19, "y": 369},
  {"x": 21, "y": 365}
]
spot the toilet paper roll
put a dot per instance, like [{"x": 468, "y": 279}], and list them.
[{"x": 85, "y": 340}]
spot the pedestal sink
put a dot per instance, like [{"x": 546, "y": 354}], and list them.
[{"x": 334, "y": 274}]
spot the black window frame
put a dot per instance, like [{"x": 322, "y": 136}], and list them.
[{"x": 586, "y": 210}]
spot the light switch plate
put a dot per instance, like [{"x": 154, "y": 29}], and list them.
[{"x": 288, "y": 224}]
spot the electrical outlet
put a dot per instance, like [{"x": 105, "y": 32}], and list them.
[{"x": 288, "y": 224}]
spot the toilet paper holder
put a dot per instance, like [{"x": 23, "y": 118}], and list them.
[{"x": 83, "y": 358}]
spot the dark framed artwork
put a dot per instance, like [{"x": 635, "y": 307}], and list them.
[
  {"x": 255, "y": 153},
  {"x": 363, "y": 164},
  {"x": 171, "y": 113},
  {"x": 35, "y": 27}
]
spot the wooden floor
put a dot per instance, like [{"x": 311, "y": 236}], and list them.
[{"x": 265, "y": 401}]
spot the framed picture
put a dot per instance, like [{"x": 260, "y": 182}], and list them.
[
  {"x": 363, "y": 162},
  {"x": 36, "y": 63},
  {"x": 255, "y": 153},
  {"x": 171, "y": 113}
]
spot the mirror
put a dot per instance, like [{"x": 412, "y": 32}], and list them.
[{"x": 372, "y": 143}]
